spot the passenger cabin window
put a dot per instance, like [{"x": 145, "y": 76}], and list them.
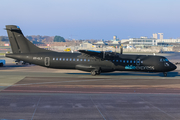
[
  {"x": 123, "y": 61},
  {"x": 134, "y": 61},
  {"x": 63, "y": 59},
  {"x": 137, "y": 62},
  {"x": 53, "y": 58},
  {"x": 74, "y": 59},
  {"x": 81, "y": 59},
  {"x": 120, "y": 60},
  {"x": 59, "y": 58},
  {"x": 70, "y": 59},
  {"x": 77, "y": 59},
  {"x": 88, "y": 60},
  {"x": 84, "y": 59},
  {"x": 56, "y": 58},
  {"x": 116, "y": 60},
  {"x": 127, "y": 61},
  {"x": 66, "y": 59},
  {"x": 130, "y": 61}
]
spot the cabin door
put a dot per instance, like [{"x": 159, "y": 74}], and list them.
[
  {"x": 138, "y": 62},
  {"x": 47, "y": 61}
]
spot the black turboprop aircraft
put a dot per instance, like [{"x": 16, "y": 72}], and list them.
[{"x": 87, "y": 60}]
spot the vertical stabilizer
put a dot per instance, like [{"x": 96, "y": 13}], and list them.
[{"x": 19, "y": 43}]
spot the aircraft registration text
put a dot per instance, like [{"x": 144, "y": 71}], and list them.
[{"x": 37, "y": 58}]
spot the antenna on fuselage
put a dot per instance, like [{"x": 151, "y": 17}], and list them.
[
  {"x": 121, "y": 48},
  {"x": 103, "y": 54}
]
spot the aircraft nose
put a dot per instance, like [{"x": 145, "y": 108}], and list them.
[{"x": 173, "y": 67}]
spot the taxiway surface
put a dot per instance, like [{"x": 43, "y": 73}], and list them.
[{"x": 33, "y": 92}]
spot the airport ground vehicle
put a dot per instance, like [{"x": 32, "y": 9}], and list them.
[
  {"x": 67, "y": 50},
  {"x": 2, "y": 63}
]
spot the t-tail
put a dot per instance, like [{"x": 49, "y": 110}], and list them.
[{"x": 19, "y": 43}]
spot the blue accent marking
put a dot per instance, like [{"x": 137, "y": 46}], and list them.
[
  {"x": 18, "y": 27},
  {"x": 130, "y": 67},
  {"x": 94, "y": 51}
]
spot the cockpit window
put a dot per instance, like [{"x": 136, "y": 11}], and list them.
[{"x": 164, "y": 60}]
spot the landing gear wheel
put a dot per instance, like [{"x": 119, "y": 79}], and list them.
[
  {"x": 93, "y": 72},
  {"x": 165, "y": 74},
  {"x": 96, "y": 71}
]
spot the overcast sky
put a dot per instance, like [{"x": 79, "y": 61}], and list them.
[{"x": 92, "y": 19}]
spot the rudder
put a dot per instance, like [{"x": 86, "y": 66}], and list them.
[{"x": 19, "y": 43}]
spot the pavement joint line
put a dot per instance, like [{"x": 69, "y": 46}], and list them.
[
  {"x": 60, "y": 82},
  {"x": 159, "y": 109},
  {"x": 79, "y": 92},
  {"x": 97, "y": 108},
  {"x": 52, "y": 94},
  {"x": 9, "y": 84},
  {"x": 36, "y": 108},
  {"x": 102, "y": 76}
]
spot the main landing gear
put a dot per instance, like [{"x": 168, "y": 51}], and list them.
[
  {"x": 165, "y": 74},
  {"x": 95, "y": 72}
]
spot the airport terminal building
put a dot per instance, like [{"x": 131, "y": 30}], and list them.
[{"x": 142, "y": 41}]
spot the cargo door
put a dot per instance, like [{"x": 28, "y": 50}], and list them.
[{"x": 47, "y": 61}]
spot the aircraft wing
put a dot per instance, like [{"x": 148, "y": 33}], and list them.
[{"x": 92, "y": 53}]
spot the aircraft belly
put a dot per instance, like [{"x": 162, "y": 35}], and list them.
[
  {"x": 85, "y": 67},
  {"x": 62, "y": 65},
  {"x": 88, "y": 67}
]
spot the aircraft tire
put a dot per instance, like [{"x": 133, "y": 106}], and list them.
[{"x": 93, "y": 72}]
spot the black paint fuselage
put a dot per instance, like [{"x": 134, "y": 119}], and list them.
[
  {"x": 117, "y": 62},
  {"x": 87, "y": 60}
]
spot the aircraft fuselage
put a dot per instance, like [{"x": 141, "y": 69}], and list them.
[
  {"x": 87, "y": 60},
  {"x": 121, "y": 62}
]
